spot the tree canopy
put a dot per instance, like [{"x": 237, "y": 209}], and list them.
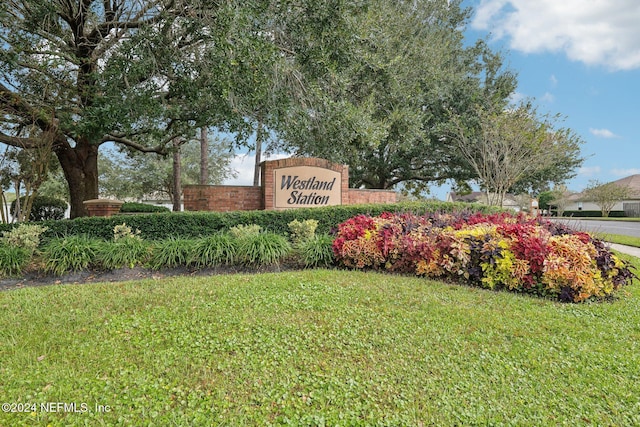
[
  {"x": 516, "y": 146},
  {"x": 383, "y": 109},
  {"x": 140, "y": 73},
  {"x": 369, "y": 83}
]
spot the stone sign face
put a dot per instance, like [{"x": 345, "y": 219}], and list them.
[{"x": 306, "y": 186}]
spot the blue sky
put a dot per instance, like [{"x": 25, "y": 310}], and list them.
[{"x": 578, "y": 58}]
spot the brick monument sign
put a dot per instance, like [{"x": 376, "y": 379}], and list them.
[{"x": 287, "y": 183}]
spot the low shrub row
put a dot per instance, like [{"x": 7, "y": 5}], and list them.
[
  {"x": 498, "y": 251},
  {"x": 196, "y": 224},
  {"x": 245, "y": 246},
  {"x": 594, "y": 214}
]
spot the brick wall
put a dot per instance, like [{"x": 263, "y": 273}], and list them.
[
  {"x": 222, "y": 198},
  {"x": 357, "y": 197}
]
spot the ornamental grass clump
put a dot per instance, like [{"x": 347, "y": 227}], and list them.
[
  {"x": 171, "y": 253},
  {"x": 70, "y": 254},
  {"x": 17, "y": 247},
  {"x": 217, "y": 249},
  {"x": 262, "y": 249},
  {"x": 316, "y": 251},
  {"x": 498, "y": 251},
  {"x": 127, "y": 249}
]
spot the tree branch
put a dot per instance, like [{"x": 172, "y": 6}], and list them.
[
  {"x": 15, "y": 141},
  {"x": 160, "y": 149}
]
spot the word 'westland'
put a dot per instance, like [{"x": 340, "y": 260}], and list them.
[{"x": 301, "y": 198}]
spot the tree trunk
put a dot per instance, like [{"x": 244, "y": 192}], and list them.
[
  {"x": 204, "y": 156},
  {"x": 256, "y": 170},
  {"x": 177, "y": 183},
  {"x": 80, "y": 167}
]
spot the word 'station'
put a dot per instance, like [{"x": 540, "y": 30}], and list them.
[{"x": 307, "y": 187}]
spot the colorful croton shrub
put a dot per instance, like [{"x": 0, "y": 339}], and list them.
[{"x": 499, "y": 251}]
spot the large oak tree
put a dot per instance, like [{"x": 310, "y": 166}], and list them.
[
  {"x": 141, "y": 73},
  {"x": 84, "y": 72}
]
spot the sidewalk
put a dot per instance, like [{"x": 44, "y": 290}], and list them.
[{"x": 629, "y": 250}]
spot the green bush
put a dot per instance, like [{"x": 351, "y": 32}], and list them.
[
  {"x": 197, "y": 224},
  {"x": 594, "y": 214},
  {"x": 43, "y": 208},
  {"x": 217, "y": 249},
  {"x": 262, "y": 249},
  {"x": 134, "y": 207},
  {"x": 13, "y": 259},
  {"x": 25, "y": 236},
  {"x": 70, "y": 254},
  {"x": 170, "y": 253},
  {"x": 302, "y": 230},
  {"x": 317, "y": 251},
  {"x": 122, "y": 252},
  {"x": 241, "y": 231}
]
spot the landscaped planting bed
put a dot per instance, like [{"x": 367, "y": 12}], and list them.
[
  {"x": 494, "y": 251},
  {"x": 499, "y": 251}
]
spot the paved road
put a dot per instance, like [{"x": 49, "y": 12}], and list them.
[{"x": 613, "y": 227}]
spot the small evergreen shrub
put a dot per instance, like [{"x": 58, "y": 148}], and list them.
[
  {"x": 43, "y": 208},
  {"x": 197, "y": 224},
  {"x": 240, "y": 231},
  {"x": 70, "y": 254},
  {"x": 25, "y": 236},
  {"x": 317, "y": 251},
  {"x": 302, "y": 230},
  {"x": 262, "y": 249},
  {"x": 214, "y": 250},
  {"x": 13, "y": 259},
  {"x": 123, "y": 231}
]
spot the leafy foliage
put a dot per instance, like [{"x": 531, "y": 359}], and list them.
[
  {"x": 122, "y": 252},
  {"x": 317, "y": 251},
  {"x": 497, "y": 251},
  {"x": 262, "y": 249},
  {"x": 134, "y": 207},
  {"x": 214, "y": 250},
  {"x": 302, "y": 230},
  {"x": 43, "y": 208},
  {"x": 170, "y": 253},
  {"x": 13, "y": 259},
  {"x": 70, "y": 254},
  {"x": 26, "y": 236},
  {"x": 198, "y": 224}
]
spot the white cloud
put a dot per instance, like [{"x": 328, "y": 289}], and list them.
[
  {"x": 589, "y": 171},
  {"x": 554, "y": 80},
  {"x": 625, "y": 172},
  {"x": 548, "y": 97},
  {"x": 244, "y": 165},
  {"x": 603, "y": 133},
  {"x": 595, "y": 32},
  {"x": 517, "y": 97}
]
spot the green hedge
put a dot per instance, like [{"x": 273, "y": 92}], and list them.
[
  {"x": 195, "y": 224},
  {"x": 134, "y": 207},
  {"x": 43, "y": 208},
  {"x": 594, "y": 214}
]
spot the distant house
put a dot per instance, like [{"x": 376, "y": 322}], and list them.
[
  {"x": 481, "y": 197},
  {"x": 631, "y": 205}
]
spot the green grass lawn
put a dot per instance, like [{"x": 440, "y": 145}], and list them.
[
  {"x": 315, "y": 347},
  {"x": 620, "y": 239}
]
